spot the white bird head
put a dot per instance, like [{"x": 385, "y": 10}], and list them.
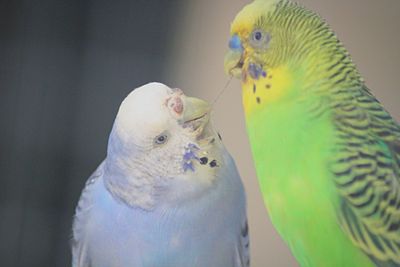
[{"x": 163, "y": 143}]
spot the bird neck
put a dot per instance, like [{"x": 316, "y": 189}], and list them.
[
  {"x": 128, "y": 179},
  {"x": 298, "y": 96},
  {"x": 131, "y": 186},
  {"x": 291, "y": 108},
  {"x": 323, "y": 70}
]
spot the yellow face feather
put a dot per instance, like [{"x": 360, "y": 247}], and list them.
[
  {"x": 266, "y": 90},
  {"x": 273, "y": 81}
]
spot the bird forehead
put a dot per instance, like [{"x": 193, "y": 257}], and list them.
[
  {"x": 144, "y": 109},
  {"x": 146, "y": 117},
  {"x": 247, "y": 17},
  {"x": 150, "y": 95},
  {"x": 149, "y": 99}
]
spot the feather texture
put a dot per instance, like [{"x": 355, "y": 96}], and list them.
[{"x": 326, "y": 152}]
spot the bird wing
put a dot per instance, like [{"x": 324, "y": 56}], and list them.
[
  {"x": 79, "y": 246},
  {"x": 242, "y": 250},
  {"x": 367, "y": 175}
]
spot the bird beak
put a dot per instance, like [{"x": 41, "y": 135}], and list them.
[
  {"x": 195, "y": 110},
  {"x": 233, "y": 61}
]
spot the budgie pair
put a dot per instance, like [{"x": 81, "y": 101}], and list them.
[{"x": 327, "y": 156}]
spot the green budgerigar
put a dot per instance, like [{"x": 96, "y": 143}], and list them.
[{"x": 327, "y": 153}]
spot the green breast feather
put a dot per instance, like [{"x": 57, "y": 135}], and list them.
[{"x": 330, "y": 179}]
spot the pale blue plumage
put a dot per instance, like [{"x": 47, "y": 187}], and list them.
[{"x": 193, "y": 220}]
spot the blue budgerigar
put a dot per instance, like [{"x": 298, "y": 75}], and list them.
[{"x": 167, "y": 194}]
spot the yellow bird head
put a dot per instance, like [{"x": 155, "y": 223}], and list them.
[
  {"x": 278, "y": 49},
  {"x": 253, "y": 37}
]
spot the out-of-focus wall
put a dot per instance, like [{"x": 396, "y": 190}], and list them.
[
  {"x": 368, "y": 28},
  {"x": 65, "y": 67}
]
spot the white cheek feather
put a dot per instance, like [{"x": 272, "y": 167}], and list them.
[{"x": 166, "y": 160}]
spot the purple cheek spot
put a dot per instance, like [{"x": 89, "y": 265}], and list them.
[
  {"x": 188, "y": 166},
  {"x": 189, "y": 155},
  {"x": 256, "y": 71}
]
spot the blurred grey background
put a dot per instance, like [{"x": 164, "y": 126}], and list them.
[{"x": 65, "y": 66}]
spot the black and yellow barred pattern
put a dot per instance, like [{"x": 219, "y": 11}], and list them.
[{"x": 367, "y": 171}]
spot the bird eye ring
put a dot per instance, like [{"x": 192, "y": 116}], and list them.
[{"x": 260, "y": 39}]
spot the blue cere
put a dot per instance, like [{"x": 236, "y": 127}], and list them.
[{"x": 235, "y": 43}]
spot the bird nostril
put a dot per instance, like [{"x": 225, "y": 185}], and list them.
[{"x": 176, "y": 104}]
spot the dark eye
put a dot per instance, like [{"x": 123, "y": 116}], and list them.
[
  {"x": 161, "y": 139},
  {"x": 257, "y": 36}
]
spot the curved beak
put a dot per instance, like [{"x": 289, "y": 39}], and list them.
[
  {"x": 194, "y": 109},
  {"x": 233, "y": 61}
]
